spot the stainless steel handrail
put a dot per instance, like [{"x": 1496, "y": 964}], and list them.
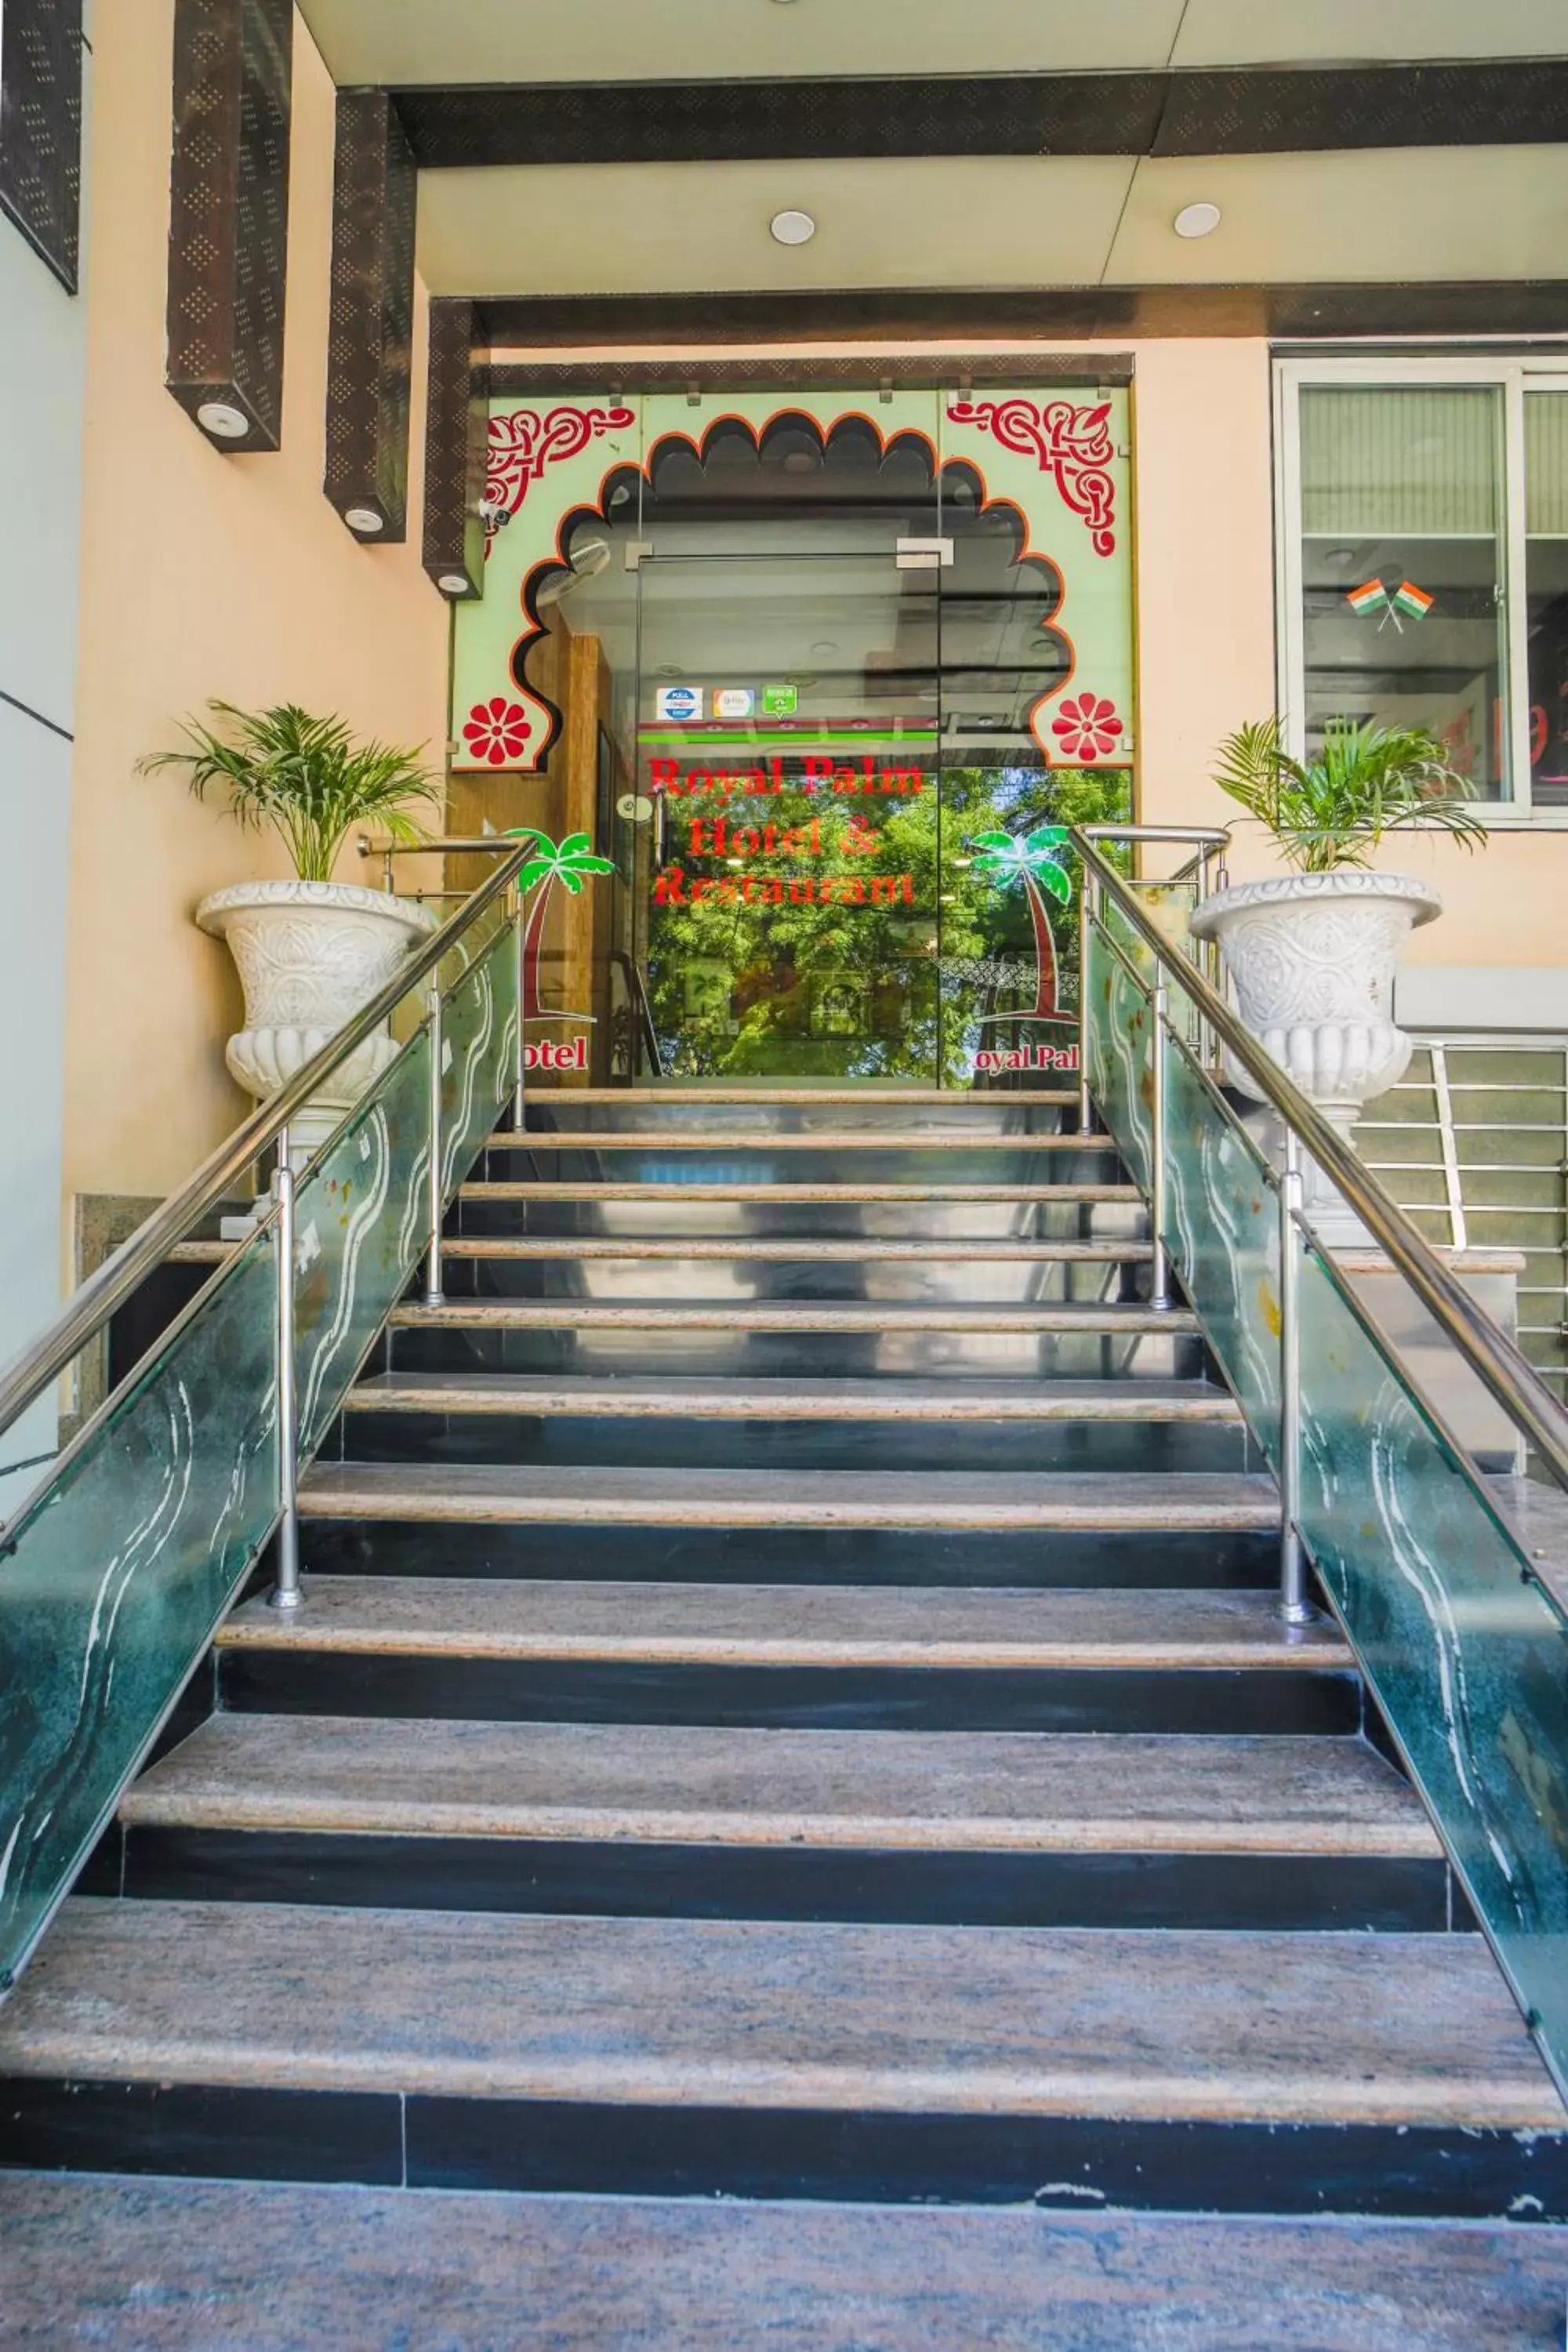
[
  {"x": 1505, "y": 1372},
  {"x": 89, "y": 1308}
]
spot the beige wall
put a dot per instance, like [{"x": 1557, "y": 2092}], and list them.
[
  {"x": 1205, "y": 652},
  {"x": 202, "y": 575}
]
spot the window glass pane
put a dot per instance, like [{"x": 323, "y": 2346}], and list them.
[
  {"x": 1402, "y": 563},
  {"x": 1546, "y": 582}
]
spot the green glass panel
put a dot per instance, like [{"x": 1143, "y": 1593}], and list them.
[
  {"x": 361, "y": 1218},
  {"x": 363, "y": 1208},
  {"x": 479, "y": 1056},
  {"x": 1116, "y": 1049},
  {"x": 1223, "y": 1234},
  {"x": 1466, "y": 1653},
  {"x": 118, "y": 1575}
]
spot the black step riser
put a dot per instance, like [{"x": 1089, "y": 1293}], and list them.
[
  {"x": 1297, "y": 1894},
  {"x": 751, "y": 1162},
  {"x": 1070, "y": 2163},
  {"x": 745, "y": 1356},
  {"x": 843, "y": 1699},
  {"x": 638, "y": 1442},
  {"x": 967, "y": 1114},
  {"x": 805, "y": 1221},
  {"x": 1146, "y": 1561}
]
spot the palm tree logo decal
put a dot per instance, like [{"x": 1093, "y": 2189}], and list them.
[
  {"x": 569, "y": 862},
  {"x": 1035, "y": 860}
]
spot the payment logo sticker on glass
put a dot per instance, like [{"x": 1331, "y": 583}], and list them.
[
  {"x": 781, "y": 702},
  {"x": 733, "y": 701},
  {"x": 679, "y": 702}
]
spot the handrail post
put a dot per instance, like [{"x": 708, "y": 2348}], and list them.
[
  {"x": 519, "y": 1081},
  {"x": 1088, "y": 915},
  {"x": 434, "y": 1296},
  {"x": 285, "y": 1593},
  {"x": 1294, "y": 1605},
  {"x": 1160, "y": 1273}
]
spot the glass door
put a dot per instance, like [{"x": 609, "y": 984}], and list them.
[{"x": 789, "y": 782}]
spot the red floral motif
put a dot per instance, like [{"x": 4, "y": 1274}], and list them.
[
  {"x": 1088, "y": 728},
  {"x": 1072, "y": 444},
  {"x": 522, "y": 444},
  {"x": 498, "y": 731}
]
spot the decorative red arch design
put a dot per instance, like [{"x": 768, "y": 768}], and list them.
[{"x": 546, "y": 438}]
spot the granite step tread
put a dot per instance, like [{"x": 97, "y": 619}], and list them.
[
  {"x": 855, "y": 1401},
  {"x": 278, "y": 2265},
  {"x": 849, "y": 1138},
  {"x": 790, "y": 1624},
  {"x": 1161, "y": 1501},
  {"x": 1162, "y": 2025},
  {"x": 685, "y": 1784},
  {"x": 808, "y": 1250},
  {"x": 772, "y": 1314}
]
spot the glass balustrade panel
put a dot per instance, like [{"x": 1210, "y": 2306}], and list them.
[
  {"x": 1466, "y": 1652},
  {"x": 116, "y": 1577}
]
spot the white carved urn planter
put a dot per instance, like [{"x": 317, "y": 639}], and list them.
[
  {"x": 309, "y": 955},
  {"x": 1313, "y": 957}
]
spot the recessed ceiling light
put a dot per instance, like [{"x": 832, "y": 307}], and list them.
[
  {"x": 669, "y": 669},
  {"x": 826, "y": 646},
  {"x": 792, "y": 228},
  {"x": 364, "y": 520},
  {"x": 1196, "y": 220},
  {"x": 222, "y": 420},
  {"x": 453, "y": 583}
]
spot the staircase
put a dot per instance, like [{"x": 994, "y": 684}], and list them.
[{"x": 789, "y": 1704}]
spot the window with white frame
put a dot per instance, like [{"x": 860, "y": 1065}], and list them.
[{"x": 1424, "y": 561}]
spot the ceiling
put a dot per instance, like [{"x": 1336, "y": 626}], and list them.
[
  {"x": 994, "y": 149},
  {"x": 404, "y": 42},
  {"x": 998, "y": 221}
]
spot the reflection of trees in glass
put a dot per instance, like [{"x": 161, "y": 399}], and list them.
[{"x": 870, "y": 989}]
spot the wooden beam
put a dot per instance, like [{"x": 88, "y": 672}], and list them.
[
  {"x": 228, "y": 217},
  {"x": 370, "y": 348},
  {"x": 456, "y": 435}
]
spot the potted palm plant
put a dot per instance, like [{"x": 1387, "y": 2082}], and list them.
[
  {"x": 309, "y": 952},
  {"x": 1312, "y": 952}
]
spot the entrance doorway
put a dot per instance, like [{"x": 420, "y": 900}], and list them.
[{"x": 834, "y": 765}]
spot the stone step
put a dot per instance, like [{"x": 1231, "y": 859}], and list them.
[
  {"x": 1224, "y": 2072},
  {"x": 837, "y": 1193},
  {"x": 790, "y": 1656},
  {"x": 924, "y": 1252},
  {"x": 1022, "y": 1792},
  {"x": 791, "y": 1625},
  {"x": 953, "y": 1500},
  {"x": 855, "y": 1402},
  {"x": 280, "y": 2265},
  {"x": 1006, "y": 1316},
  {"x": 752, "y": 1141}
]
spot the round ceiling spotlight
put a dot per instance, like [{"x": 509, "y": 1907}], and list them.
[
  {"x": 453, "y": 583},
  {"x": 1196, "y": 220},
  {"x": 222, "y": 420},
  {"x": 792, "y": 228},
  {"x": 364, "y": 520}
]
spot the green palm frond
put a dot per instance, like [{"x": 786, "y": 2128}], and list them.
[
  {"x": 305, "y": 775},
  {"x": 1368, "y": 780},
  {"x": 1008, "y": 857},
  {"x": 566, "y": 862}
]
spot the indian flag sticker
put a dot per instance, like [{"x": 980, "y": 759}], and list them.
[
  {"x": 1367, "y": 597},
  {"x": 1413, "y": 600}
]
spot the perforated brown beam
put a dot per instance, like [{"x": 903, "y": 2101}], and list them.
[
  {"x": 455, "y": 434},
  {"x": 40, "y": 127},
  {"x": 370, "y": 350},
  {"x": 228, "y": 219}
]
